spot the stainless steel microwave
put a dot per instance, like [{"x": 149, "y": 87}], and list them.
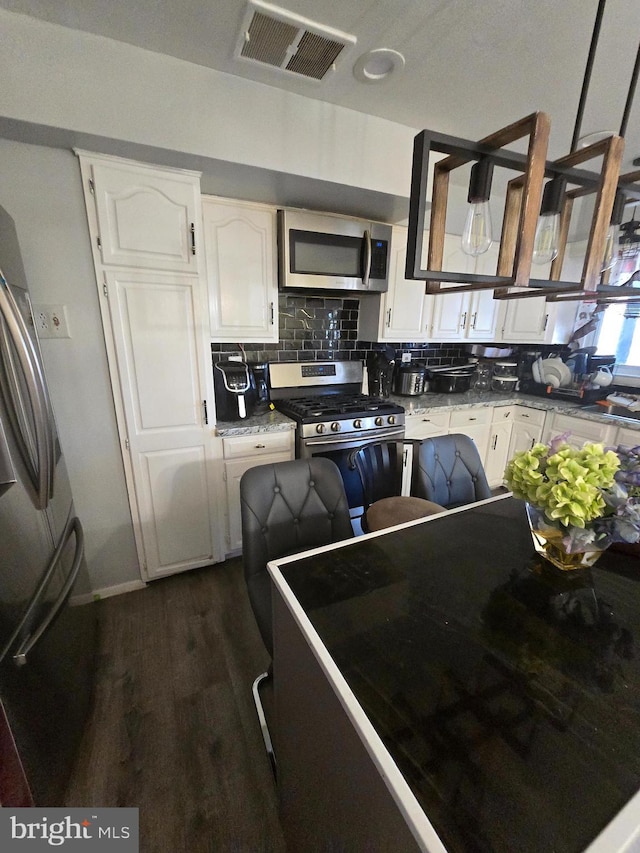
[{"x": 317, "y": 251}]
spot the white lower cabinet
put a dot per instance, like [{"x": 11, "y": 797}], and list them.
[
  {"x": 241, "y": 453},
  {"x": 476, "y": 423},
  {"x": 579, "y": 430},
  {"x": 498, "y": 447},
  {"x": 417, "y": 427},
  {"x": 628, "y": 437},
  {"x": 527, "y": 428}
]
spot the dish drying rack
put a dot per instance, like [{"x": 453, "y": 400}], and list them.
[{"x": 578, "y": 395}]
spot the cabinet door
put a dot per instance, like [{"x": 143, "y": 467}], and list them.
[
  {"x": 407, "y": 310},
  {"x": 497, "y": 452},
  {"x": 241, "y": 271},
  {"x": 526, "y": 320},
  {"x": 580, "y": 430},
  {"x": 450, "y": 313},
  {"x": 146, "y": 217},
  {"x": 523, "y": 437},
  {"x": 483, "y": 316},
  {"x": 233, "y": 471},
  {"x": 628, "y": 437},
  {"x": 155, "y": 319}
]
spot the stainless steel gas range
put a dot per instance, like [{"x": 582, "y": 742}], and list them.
[{"x": 332, "y": 414}]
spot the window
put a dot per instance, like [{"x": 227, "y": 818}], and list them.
[{"x": 619, "y": 329}]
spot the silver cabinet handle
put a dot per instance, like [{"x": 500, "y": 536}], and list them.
[
  {"x": 474, "y": 318},
  {"x": 463, "y": 321},
  {"x": 272, "y": 313},
  {"x": 389, "y": 318},
  {"x": 495, "y": 441},
  {"x": 192, "y": 232},
  {"x": 260, "y": 446}
]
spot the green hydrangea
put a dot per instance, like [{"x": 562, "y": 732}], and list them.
[{"x": 565, "y": 483}]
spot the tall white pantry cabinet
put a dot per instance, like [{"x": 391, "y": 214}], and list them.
[{"x": 144, "y": 223}]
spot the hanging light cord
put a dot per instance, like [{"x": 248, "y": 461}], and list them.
[
  {"x": 587, "y": 74},
  {"x": 630, "y": 96}
]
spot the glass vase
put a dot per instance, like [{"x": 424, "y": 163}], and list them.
[{"x": 548, "y": 540}]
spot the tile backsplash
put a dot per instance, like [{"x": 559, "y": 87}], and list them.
[{"x": 325, "y": 328}]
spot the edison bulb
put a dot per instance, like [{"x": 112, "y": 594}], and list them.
[
  {"x": 610, "y": 248},
  {"x": 477, "y": 235},
  {"x": 545, "y": 245}
]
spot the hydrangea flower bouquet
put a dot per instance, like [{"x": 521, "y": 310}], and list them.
[{"x": 578, "y": 501}]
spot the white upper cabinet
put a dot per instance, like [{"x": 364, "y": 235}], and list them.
[
  {"x": 240, "y": 250},
  {"x": 466, "y": 316},
  {"x": 403, "y": 313},
  {"x": 146, "y": 217}
]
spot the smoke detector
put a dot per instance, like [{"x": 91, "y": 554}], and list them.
[{"x": 281, "y": 39}]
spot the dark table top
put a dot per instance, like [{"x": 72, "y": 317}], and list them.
[{"x": 506, "y": 691}]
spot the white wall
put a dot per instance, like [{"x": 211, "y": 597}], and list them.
[
  {"x": 41, "y": 189},
  {"x": 55, "y": 76}
]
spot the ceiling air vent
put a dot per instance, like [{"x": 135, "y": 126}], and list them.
[{"x": 273, "y": 36}]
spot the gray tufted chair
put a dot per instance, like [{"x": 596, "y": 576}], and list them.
[
  {"x": 286, "y": 507},
  {"x": 447, "y": 470}
]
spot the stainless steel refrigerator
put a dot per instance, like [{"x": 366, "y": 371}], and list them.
[{"x": 47, "y": 645}]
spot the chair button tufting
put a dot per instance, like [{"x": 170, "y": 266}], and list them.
[
  {"x": 265, "y": 530},
  {"x": 457, "y": 453},
  {"x": 276, "y": 489},
  {"x": 296, "y": 520},
  {"x": 311, "y": 483},
  {"x": 448, "y": 482},
  {"x": 331, "y": 515}
]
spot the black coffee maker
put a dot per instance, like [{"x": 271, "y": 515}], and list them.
[
  {"x": 380, "y": 372},
  {"x": 235, "y": 390},
  {"x": 261, "y": 376}
]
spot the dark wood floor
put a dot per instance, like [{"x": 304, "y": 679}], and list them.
[{"x": 174, "y": 729}]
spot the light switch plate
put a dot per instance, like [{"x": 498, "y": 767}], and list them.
[{"x": 51, "y": 321}]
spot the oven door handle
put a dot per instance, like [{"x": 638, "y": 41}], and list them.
[{"x": 379, "y": 436}]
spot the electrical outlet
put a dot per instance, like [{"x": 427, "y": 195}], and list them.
[{"x": 51, "y": 321}]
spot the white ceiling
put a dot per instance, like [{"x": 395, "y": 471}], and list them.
[{"x": 472, "y": 66}]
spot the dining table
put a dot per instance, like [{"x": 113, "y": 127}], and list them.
[{"x": 438, "y": 686}]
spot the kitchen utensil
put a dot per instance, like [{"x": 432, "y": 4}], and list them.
[
  {"x": 536, "y": 371},
  {"x": 504, "y": 383},
  {"x": 409, "y": 380},
  {"x": 555, "y": 367},
  {"x": 505, "y": 368},
  {"x": 454, "y": 382},
  {"x": 482, "y": 380},
  {"x": 602, "y": 377}
]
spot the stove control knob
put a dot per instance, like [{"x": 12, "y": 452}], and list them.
[
  {"x": 335, "y": 426},
  {"x": 379, "y": 421},
  {"x": 320, "y": 428},
  {"x": 357, "y": 424},
  {"x": 391, "y": 419}
]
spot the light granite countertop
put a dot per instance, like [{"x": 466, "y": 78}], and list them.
[
  {"x": 275, "y": 422},
  {"x": 258, "y": 423}
]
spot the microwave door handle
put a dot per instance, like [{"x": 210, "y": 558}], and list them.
[
  {"x": 31, "y": 369},
  {"x": 366, "y": 267},
  {"x": 74, "y": 526}
]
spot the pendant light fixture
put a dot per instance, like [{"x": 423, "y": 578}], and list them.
[
  {"x": 547, "y": 239},
  {"x": 477, "y": 235},
  {"x": 535, "y": 224}
]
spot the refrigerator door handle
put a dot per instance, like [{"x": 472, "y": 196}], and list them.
[
  {"x": 7, "y": 474},
  {"x": 27, "y": 645},
  {"x": 72, "y": 526},
  {"x": 31, "y": 368}
]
